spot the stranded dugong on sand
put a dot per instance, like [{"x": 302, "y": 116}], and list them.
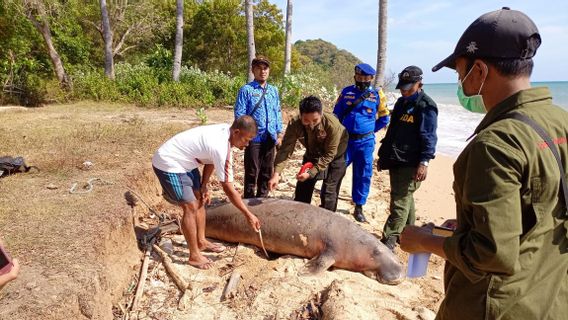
[{"x": 291, "y": 227}]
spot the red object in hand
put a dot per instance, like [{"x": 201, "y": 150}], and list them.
[{"x": 307, "y": 166}]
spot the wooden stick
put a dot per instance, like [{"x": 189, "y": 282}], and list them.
[
  {"x": 168, "y": 264},
  {"x": 235, "y": 254},
  {"x": 186, "y": 300},
  {"x": 187, "y": 293},
  {"x": 231, "y": 288},
  {"x": 141, "y": 280}
]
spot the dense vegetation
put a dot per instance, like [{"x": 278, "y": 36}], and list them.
[{"x": 214, "y": 61}]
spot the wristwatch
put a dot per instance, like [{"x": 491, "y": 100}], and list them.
[{"x": 424, "y": 163}]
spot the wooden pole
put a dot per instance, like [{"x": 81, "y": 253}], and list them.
[{"x": 141, "y": 279}]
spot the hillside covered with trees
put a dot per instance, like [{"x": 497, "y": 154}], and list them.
[{"x": 54, "y": 51}]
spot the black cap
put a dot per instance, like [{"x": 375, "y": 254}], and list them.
[
  {"x": 505, "y": 33},
  {"x": 260, "y": 60},
  {"x": 408, "y": 77}
]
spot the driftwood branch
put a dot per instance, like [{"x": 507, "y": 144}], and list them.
[
  {"x": 141, "y": 280},
  {"x": 186, "y": 289},
  {"x": 168, "y": 264},
  {"x": 232, "y": 286}
]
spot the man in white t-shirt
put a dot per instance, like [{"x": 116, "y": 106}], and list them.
[{"x": 176, "y": 165}]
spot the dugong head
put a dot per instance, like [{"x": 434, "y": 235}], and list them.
[{"x": 387, "y": 268}]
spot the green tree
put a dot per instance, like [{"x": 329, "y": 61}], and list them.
[{"x": 217, "y": 37}]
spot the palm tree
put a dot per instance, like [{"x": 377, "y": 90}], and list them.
[
  {"x": 178, "y": 41},
  {"x": 250, "y": 36},
  {"x": 107, "y": 37},
  {"x": 288, "y": 47},
  {"x": 382, "y": 45}
]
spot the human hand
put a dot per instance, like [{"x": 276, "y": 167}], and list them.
[
  {"x": 450, "y": 224},
  {"x": 278, "y": 141},
  {"x": 11, "y": 275},
  {"x": 253, "y": 222},
  {"x": 303, "y": 177},
  {"x": 412, "y": 237},
  {"x": 15, "y": 269},
  {"x": 205, "y": 195},
  {"x": 273, "y": 182},
  {"x": 421, "y": 173}
]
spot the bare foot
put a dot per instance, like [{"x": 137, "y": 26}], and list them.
[
  {"x": 202, "y": 263},
  {"x": 211, "y": 247}
]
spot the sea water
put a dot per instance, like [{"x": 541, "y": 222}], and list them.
[{"x": 456, "y": 125}]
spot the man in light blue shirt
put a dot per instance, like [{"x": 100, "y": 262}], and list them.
[{"x": 261, "y": 101}]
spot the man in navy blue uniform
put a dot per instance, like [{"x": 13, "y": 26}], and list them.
[
  {"x": 361, "y": 112},
  {"x": 410, "y": 142},
  {"x": 260, "y": 100}
]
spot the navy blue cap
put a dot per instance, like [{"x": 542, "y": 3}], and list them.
[
  {"x": 503, "y": 34},
  {"x": 408, "y": 77},
  {"x": 365, "y": 69}
]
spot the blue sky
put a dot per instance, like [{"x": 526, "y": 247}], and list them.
[{"x": 424, "y": 32}]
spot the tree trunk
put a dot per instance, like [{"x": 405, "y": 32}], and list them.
[
  {"x": 45, "y": 30},
  {"x": 179, "y": 40},
  {"x": 382, "y": 45},
  {"x": 250, "y": 36},
  {"x": 107, "y": 37},
  {"x": 288, "y": 47}
]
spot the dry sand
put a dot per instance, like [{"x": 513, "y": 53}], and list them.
[{"x": 435, "y": 197}]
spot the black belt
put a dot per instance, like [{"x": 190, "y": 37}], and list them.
[{"x": 355, "y": 136}]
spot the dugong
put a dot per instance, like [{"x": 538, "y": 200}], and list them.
[{"x": 291, "y": 227}]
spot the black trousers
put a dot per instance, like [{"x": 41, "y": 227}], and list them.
[
  {"x": 259, "y": 166},
  {"x": 332, "y": 178}
]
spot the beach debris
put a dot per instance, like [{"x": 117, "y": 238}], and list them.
[
  {"x": 142, "y": 279},
  {"x": 187, "y": 297},
  {"x": 167, "y": 246},
  {"x": 425, "y": 313},
  {"x": 232, "y": 286},
  {"x": 87, "y": 165}
]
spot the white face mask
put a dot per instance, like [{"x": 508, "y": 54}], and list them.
[{"x": 471, "y": 103}]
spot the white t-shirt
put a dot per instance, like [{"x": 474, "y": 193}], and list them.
[{"x": 201, "y": 145}]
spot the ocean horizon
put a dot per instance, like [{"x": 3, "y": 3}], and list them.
[{"x": 455, "y": 124}]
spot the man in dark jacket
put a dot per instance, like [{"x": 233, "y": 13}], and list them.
[{"x": 408, "y": 146}]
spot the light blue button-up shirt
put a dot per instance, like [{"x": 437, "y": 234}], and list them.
[{"x": 268, "y": 115}]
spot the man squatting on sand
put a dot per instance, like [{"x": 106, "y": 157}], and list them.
[
  {"x": 176, "y": 165},
  {"x": 508, "y": 256}
]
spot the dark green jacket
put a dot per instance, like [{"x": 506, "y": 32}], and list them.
[
  {"x": 327, "y": 141},
  {"x": 508, "y": 258}
]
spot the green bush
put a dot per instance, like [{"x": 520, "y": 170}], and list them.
[
  {"x": 147, "y": 85},
  {"x": 294, "y": 87},
  {"x": 34, "y": 91}
]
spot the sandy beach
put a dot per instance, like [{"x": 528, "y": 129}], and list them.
[{"x": 435, "y": 198}]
